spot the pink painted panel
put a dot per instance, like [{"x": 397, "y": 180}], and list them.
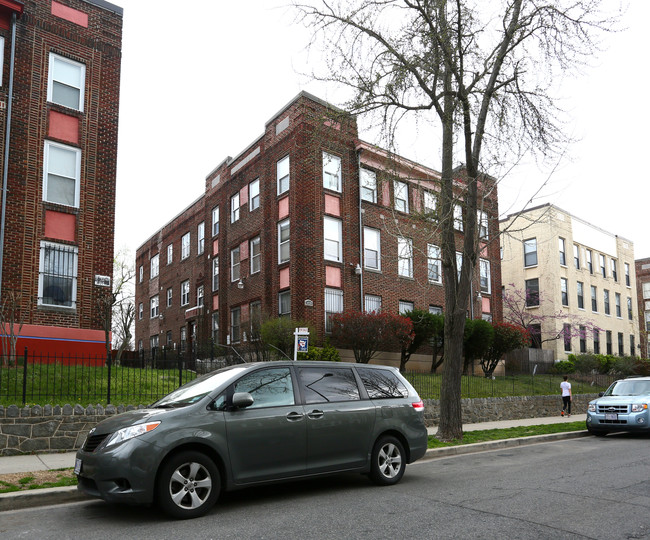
[
  {"x": 244, "y": 312},
  {"x": 285, "y": 279},
  {"x": 416, "y": 198},
  {"x": 484, "y": 251},
  {"x": 60, "y": 226},
  {"x": 215, "y": 247},
  {"x": 243, "y": 251},
  {"x": 332, "y": 205},
  {"x": 243, "y": 196},
  {"x": 385, "y": 194},
  {"x": 283, "y": 208},
  {"x": 485, "y": 305},
  {"x": 215, "y": 302},
  {"x": 332, "y": 276},
  {"x": 64, "y": 127},
  {"x": 69, "y": 14}
]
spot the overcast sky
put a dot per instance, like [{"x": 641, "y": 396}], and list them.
[{"x": 201, "y": 78}]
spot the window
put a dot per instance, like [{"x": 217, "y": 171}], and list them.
[
  {"x": 482, "y": 219},
  {"x": 434, "y": 270},
  {"x": 617, "y": 300},
  {"x": 199, "y": 296},
  {"x": 532, "y": 292},
  {"x": 596, "y": 341},
  {"x": 333, "y": 239},
  {"x": 632, "y": 346},
  {"x": 580, "y": 288},
  {"x": 590, "y": 263},
  {"x": 372, "y": 303},
  {"x": 606, "y": 301},
  {"x": 435, "y": 310},
  {"x": 459, "y": 264},
  {"x": 594, "y": 299},
  {"x": 430, "y": 205},
  {"x": 368, "y": 181},
  {"x": 331, "y": 172},
  {"x": 614, "y": 272},
  {"x": 255, "y": 312},
  {"x": 183, "y": 339},
  {"x": 405, "y": 306},
  {"x": 646, "y": 290},
  {"x": 215, "y": 221},
  {"x": 215, "y": 273},
  {"x": 235, "y": 265},
  {"x": 629, "y": 308},
  {"x": 576, "y": 256},
  {"x": 168, "y": 339},
  {"x": 235, "y": 325},
  {"x": 283, "y": 175},
  {"x": 333, "y": 304},
  {"x": 169, "y": 296},
  {"x": 583, "y": 339},
  {"x": 215, "y": 327},
  {"x": 269, "y": 387},
  {"x": 254, "y": 195},
  {"x": 200, "y": 238},
  {"x": 382, "y": 384},
  {"x": 57, "y": 280},
  {"x": 140, "y": 311},
  {"x": 284, "y": 304},
  {"x": 603, "y": 270},
  {"x": 185, "y": 293},
  {"x": 153, "y": 342},
  {"x": 566, "y": 332},
  {"x": 562, "y": 251},
  {"x": 535, "y": 331},
  {"x": 328, "y": 385},
  {"x": 155, "y": 266},
  {"x": 234, "y": 208},
  {"x": 170, "y": 253},
  {"x": 255, "y": 255},
  {"x": 61, "y": 174},
  {"x": 627, "y": 274},
  {"x": 621, "y": 350},
  {"x": 486, "y": 285},
  {"x": 66, "y": 82},
  {"x": 371, "y": 248},
  {"x": 458, "y": 217},
  {"x": 2, "y": 55},
  {"x": 564, "y": 289},
  {"x": 141, "y": 273},
  {"x": 647, "y": 321},
  {"x": 405, "y": 257},
  {"x": 530, "y": 252},
  {"x": 400, "y": 190},
  {"x": 153, "y": 306},
  {"x": 185, "y": 246},
  {"x": 608, "y": 342},
  {"x": 283, "y": 241}
]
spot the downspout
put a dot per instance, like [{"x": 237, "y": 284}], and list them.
[
  {"x": 360, "y": 234},
  {"x": 5, "y": 165}
]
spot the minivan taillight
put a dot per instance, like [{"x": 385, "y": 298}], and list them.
[{"x": 418, "y": 405}]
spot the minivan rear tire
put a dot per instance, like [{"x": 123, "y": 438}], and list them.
[{"x": 388, "y": 461}]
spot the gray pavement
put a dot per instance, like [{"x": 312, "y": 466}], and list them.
[{"x": 42, "y": 462}]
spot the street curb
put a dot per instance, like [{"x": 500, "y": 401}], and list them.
[
  {"x": 446, "y": 451},
  {"x": 17, "y": 500}
]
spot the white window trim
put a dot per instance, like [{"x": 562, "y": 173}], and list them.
[
  {"x": 401, "y": 188},
  {"x": 200, "y": 238},
  {"x": 76, "y": 178},
  {"x": 185, "y": 292},
  {"x": 368, "y": 181},
  {"x": 329, "y": 159},
  {"x": 185, "y": 246},
  {"x": 287, "y": 176},
  {"x": 280, "y": 243},
  {"x": 484, "y": 263},
  {"x": 402, "y": 244},
  {"x": 251, "y": 196},
  {"x": 50, "y": 80},
  {"x": 334, "y": 223},
  {"x": 234, "y": 265},
  {"x": 215, "y": 221},
  {"x": 74, "y": 252},
  {"x": 170, "y": 253},
  {"x": 2, "y": 56},
  {"x": 377, "y": 233},
  {"x": 255, "y": 257},
  {"x": 154, "y": 306},
  {"x": 235, "y": 205},
  {"x": 155, "y": 266},
  {"x": 431, "y": 248}
]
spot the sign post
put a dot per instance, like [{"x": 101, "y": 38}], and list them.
[{"x": 300, "y": 341}]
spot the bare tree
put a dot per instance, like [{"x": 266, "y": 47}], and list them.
[
  {"x": 486, "y": 71},
  {"x": 11, "y": 323}
]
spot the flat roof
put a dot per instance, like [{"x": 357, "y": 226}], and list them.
[{"x": 106, "y": 5}]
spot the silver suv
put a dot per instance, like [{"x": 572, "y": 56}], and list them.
[
  {"x": 622, "y": 407},
  {"x": 252, "y": 424}
]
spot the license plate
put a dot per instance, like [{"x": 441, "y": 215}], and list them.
[
  {"x": 611, "y": 416},
  {"x": 77, "y": 466}
]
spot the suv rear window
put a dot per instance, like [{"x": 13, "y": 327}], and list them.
[
  {"x": 322, "y": 385},
  {"x": 382, "y": 384}
]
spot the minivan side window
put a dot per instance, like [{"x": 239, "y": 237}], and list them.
[
  {"x": 324, "y": 385},
  {"x": 269, "y": 387},
  {"x": 382, "y": 384}
]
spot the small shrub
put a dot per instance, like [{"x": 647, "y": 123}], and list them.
[
  {"x": 586, "y": 363},
  {"x": 562, "y": 368},
  {"x": 326, "y": 353},
  {"x": 572, "y": 358},
  {"x": 605, "y": 363}
]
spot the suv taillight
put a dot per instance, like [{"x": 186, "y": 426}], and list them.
[{"x": 418, "y": 405}]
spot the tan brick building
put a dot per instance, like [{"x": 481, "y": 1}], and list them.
[{"x": 577, "y": 278}]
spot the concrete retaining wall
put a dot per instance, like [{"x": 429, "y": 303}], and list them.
[{"x": 62, "y": 429}]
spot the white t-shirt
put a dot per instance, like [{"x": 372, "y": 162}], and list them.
[{"x": 566, "y": 388}]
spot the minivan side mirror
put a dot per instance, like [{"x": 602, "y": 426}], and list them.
[
  {"x": 601, "y": 394},
  {"x": 241, "y": 400}
]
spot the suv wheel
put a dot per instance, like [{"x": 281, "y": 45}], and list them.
[
  {"x": 597, "y": 432},
  {"x": 188, "y": 485},
  {"x": 388, "y": 461}
]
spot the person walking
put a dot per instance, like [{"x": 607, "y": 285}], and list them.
[{"x": 567, "y": 397}]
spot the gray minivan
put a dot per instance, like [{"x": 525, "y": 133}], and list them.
[{"x": 251, "y": 424}]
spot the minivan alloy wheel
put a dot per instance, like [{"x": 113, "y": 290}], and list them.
[{"x": 388, "y": 461}]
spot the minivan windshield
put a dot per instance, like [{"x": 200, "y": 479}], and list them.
[
  {"x": 629, "y": 388},
  {"x": 198, "y": 388}
]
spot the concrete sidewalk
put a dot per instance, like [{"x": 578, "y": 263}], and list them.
[{"x": 44, "y": 497}]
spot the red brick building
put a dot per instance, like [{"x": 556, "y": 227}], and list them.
[
  {"x": 59, "y": 100},
  {"x": 642, "y": 267},
  {"x": 305, "y": 222}
]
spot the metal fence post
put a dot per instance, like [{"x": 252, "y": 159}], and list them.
[
  {"x": 180, "y": 370},
  {"x": 108, "y": 389},
  {"x": 25, "y": 378}
]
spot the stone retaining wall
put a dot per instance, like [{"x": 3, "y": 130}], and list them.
[{"x": 62, "y": 429}]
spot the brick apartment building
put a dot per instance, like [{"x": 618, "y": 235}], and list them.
[
  {"x": 568, "y": 266},
  {"x": 59, "y": 98},
  {"x": 281, "y": 229},
  {"x": 643, "y": 296}
]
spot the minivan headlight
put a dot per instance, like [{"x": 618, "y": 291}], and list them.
[
  {"x": 639, "y": 407},
  {"x": 127, "y": 433},
  {"x": 592, "y": 407}
]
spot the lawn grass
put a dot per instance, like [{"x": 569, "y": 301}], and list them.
[{"x": 37, "y": 480}]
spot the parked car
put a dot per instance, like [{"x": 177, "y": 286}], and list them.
[
  {"x": 622, "y": 407},
  {"x": 251, "y": 424}
]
